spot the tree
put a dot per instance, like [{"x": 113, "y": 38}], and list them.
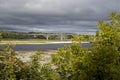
[
  {"x": 100, "y": 62},
  {"x": 9, "y": 64}
]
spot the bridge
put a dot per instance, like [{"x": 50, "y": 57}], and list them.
[{"x": 47, "y": 35}]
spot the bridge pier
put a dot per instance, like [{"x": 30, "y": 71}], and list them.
[
  {"x": 61, "y": 36},
  {"x": 35, "y": 36},
  {"x": 47, "y": 37}
]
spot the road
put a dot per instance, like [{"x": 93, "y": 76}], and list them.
[{"x": 50, "y": 46}]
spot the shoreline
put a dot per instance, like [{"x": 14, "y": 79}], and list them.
[{"x": 51, "y": 42}]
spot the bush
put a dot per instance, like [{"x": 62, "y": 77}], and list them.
[{"x": 100, "y": 62}]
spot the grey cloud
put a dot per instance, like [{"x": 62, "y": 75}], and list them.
[
  {"x": 74, "y": 27},
  {"x": 74, "y": 15}
]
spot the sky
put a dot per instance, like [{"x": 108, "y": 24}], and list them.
[{"x": 56, "y": 16}]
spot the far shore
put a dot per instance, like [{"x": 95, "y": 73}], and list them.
[
  {"x": 29, "y": 41},
  {"x": 35, "y": 42}
]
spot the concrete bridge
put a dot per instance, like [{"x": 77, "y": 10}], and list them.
[{"x": 48, "y": 35}]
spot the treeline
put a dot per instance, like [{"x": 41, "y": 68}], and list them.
[
  {"x": 30, "y": 35},
  {"x": 15, "y": 35}
]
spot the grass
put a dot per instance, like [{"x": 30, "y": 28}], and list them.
[
  {"x": 29, "y": 41},
  {"x": 45, "y": 52}
]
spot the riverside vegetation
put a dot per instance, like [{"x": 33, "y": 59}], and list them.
[{"x": 100, "y": 62}]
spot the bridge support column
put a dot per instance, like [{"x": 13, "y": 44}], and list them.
[
  {"x": 61, "y": 36},
  {"x": 35, "y": 36},
  {"x": 47, "y": 37}
]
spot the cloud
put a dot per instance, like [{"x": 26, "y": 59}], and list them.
[{"x": 48, "y": 14}]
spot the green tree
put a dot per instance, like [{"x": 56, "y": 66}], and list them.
[
  {"x": 8, "y": 63},
  {"x": 39, "y": 71},
  {"x": 100, "y": 62}
]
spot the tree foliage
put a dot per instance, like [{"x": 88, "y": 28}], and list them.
[
  {"x": 9, "y": 64},
  {"x": 12, "y": 68},
  {"x": 100, "y": 62}
]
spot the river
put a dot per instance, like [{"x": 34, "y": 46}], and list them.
[{"x": 50, "y": 46}]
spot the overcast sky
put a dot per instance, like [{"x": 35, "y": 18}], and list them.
[{"x": 76, "y": 16}]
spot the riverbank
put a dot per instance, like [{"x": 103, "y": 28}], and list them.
[
  {"x": 29, "y": 41},
  {"x": 35, "y": 41},
  {"x": 45, "y": 56}
]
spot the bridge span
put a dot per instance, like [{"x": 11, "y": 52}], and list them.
[{"x": 47, "y": 35}]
